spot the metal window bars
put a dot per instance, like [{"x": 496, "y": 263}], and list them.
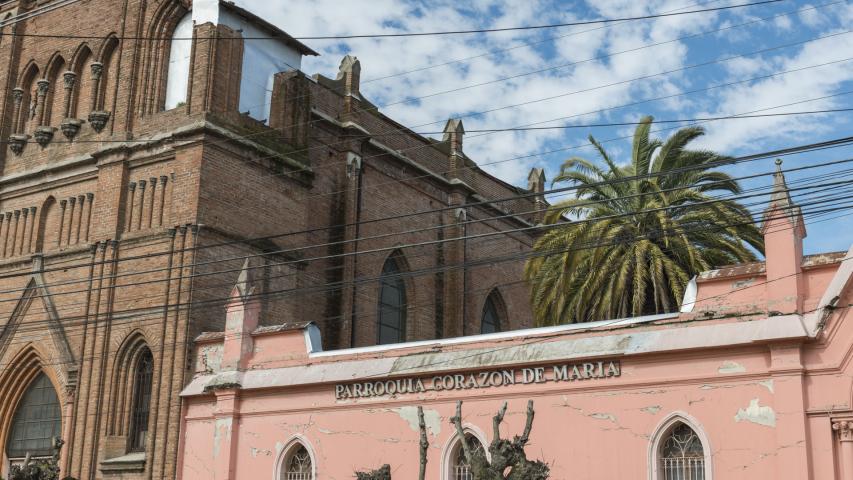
[
  {"x": 141, "y": 402},
  {"x": 683, "y": 468},
  {"x": 298, "y": 466},
  {"x": 682, "y": 455}
]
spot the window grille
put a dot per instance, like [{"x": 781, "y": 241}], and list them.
[
  {"x": 37, "y": 420},
  {"x": 392, "y": 304},
  {"x": 491, "y": 322},
  {"x": 141, "y": 402},
  {"x": 461, "y": 468},
  {"x": 298, "y": 466},
  {"x": 682, "y": 455}
]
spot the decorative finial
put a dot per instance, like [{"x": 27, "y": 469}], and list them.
[{"x": 778, "y": 162}]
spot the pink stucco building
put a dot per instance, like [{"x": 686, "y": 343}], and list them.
[{"x": 751, "y": 380}]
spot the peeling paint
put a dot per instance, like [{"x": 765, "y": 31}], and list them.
[
  {"x": 743, "y": 283},
  {"x": 260, "y": 451},
  {"x": 755, "y": 413},
  {"x": 221, "y": 434},
  {"x": 768, "y": 384},
  {"x": 431, "y": 418},
  {"x": 731, "y": 367},
  {"x": 654, "y": 409},
  {"x": 603, "y": 416}
]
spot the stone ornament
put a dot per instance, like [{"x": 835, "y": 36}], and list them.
[
  {"x": 98, "y": 119},
  {"x": 97, "y": 70},
  {"x": 70, "y": 127},
  {"x": 17, "y": 143},
  {"x": 69, "y": 78},
  {"x": 844, "y": 429},
  {"x": 18, "y": 95},
  {"x": 42, "y": 86},
  {"x": 43, "y": 135}
]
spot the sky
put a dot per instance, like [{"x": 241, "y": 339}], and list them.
[{"x": 788, "y": 56}]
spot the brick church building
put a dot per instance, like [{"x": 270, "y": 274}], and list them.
[{"x": 149, "y": 152}]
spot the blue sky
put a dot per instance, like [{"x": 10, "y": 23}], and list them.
[{"x": 396, "y": 71}]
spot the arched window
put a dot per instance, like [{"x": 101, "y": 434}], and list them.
[
  {"x": 491, "y": 321},
  {"x": 178, "y": 76},
  {"x": 392, "y": 304},
  {"x": 297, "y": 464},
  {"x": 143, "y": 377},
  {"x": 460, "y": 470},
  {"x": 682, "y": 456},
  {"x": 37, "y": 421}
]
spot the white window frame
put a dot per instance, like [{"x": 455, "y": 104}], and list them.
[
  {"x": 448, "y": 452},
  {"x": 180, "y": 59},
  {"x": 663, "y": 429},
  {"x": 294, "y": 442}
]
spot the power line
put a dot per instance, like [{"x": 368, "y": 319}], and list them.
[
  {"x": 825, "y": 202},
  {"x": 421, "y": 34},
  {"x": 723, "y": 162},
  {"x": 113, "y": 316},
  {"x": 624, "y": 124},
  {"x": 740, "y": 195},
  {"x": 87, "y": 264},
  {"x": 406, "y": 131},
  {"x": 555, "y": 127}
]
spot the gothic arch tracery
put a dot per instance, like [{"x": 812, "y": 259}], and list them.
[{"x": 19, "y": 374}]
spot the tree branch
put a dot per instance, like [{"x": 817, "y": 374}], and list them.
[
  {"x": 457, "y": 421},
  {"x": 528, "y": 424},
  {"x": 424, "y": 443},
  {"x": 496, "y": 423}
]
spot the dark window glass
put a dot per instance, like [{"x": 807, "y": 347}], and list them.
[
  {"x": 392, "y": 305},
  {"x": 298, "y": 466},
  {"x": 491, "y": 322},
  {"x": 461, "y": 469},
  {"x": 682, "y": 455},
  {"x": 141, "y": 402},
  {"x": 37, "y": 421}
]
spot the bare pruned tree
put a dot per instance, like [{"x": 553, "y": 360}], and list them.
[
  {"x": 508, "y": 459},
  {"x": 382, "y": 473}
]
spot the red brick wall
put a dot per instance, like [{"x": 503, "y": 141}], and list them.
[{"x": 155, "y": 262}]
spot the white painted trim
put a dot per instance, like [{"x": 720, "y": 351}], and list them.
[
  {"x": 679, "y": 337},
  {"x": 313, "y": 343},
  {"x": 283, "y": 454},
  {"x": 485, "y": 337},
  {"x": 689, "y": 299},
  {"x": 813, "y": 321},
  {"x": 663, "y": 428},
  {"x": 449, "y": 448}
]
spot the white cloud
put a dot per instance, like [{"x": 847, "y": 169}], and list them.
[
  {"x": 382, "y": 57},
  {"x": 793, "y": 87}
]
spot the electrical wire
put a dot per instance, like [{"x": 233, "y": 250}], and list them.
[
  {"x": 418, "y": 34},
  {"x": 723, "y": 162}
]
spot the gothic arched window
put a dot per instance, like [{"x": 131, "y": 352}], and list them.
[
  {"x": 491, "y": 321},
  {"x": 392, "y": 304},
  {"x": 461, "y": 470},
  {"x": 178, "y": 75},
  {"x": 37, "y": 421},
  {"x": 297, "y": 464},
  {"x": 143, "y": 378},
  {"x": 682, "y": 456}
]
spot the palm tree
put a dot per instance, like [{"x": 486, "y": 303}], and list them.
[{"x": 642, "y": 231}]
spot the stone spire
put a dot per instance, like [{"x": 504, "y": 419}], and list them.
[
  {"x": 536, "y": 184},
  {"x": 350, "y": 73},
  {"x": 783, "y": 229},
  {"x": 241, "y": 319},
  {"x": 781, "y": 204},
  {"x": 453, "y": 136}
]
